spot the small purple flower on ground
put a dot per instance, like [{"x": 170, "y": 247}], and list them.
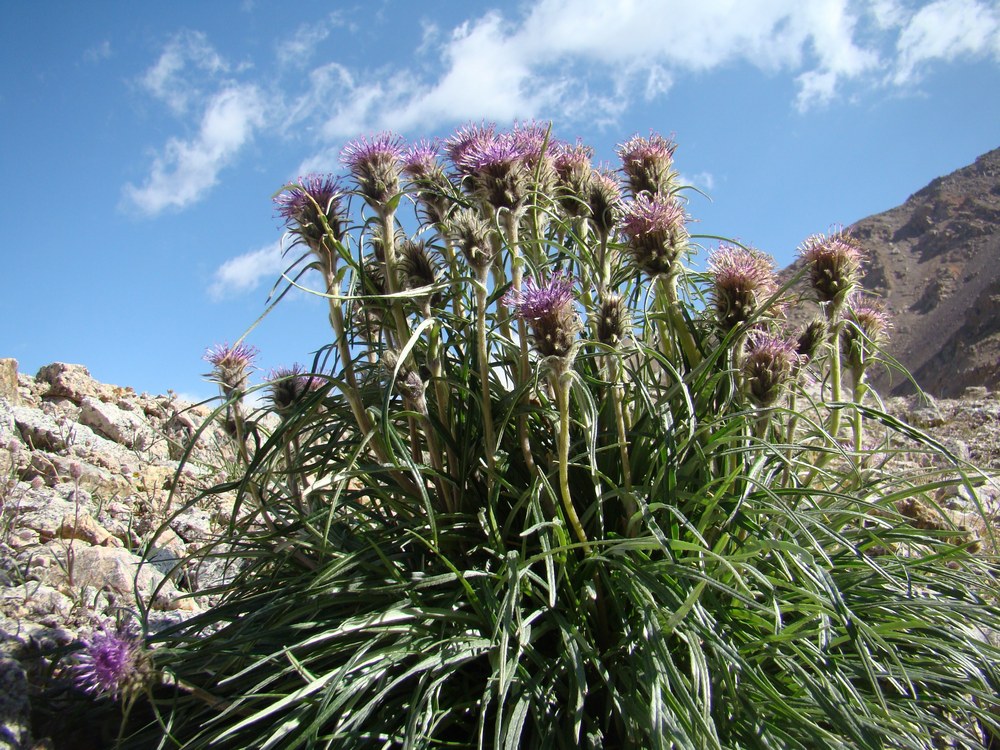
[
  {"x": 376, "y": 166},
  {"x": 110, "y": 663},
  {"x": 654, "y": 228},
  {"x": 548, "y": 310}
]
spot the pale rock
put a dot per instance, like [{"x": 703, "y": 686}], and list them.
[
  {"x": 70, "y": 381},
  {"x": 55, "y": 469},
  {"x": 42, "y": 431},
  {"x": 37, "y": 602},
  {"x": 8, "y": 381},
  {"x": 8, "y": 427},
  {"x": 63, "y": 408},
  {"x": 42, "y": 510},
  {"x": 124, "y": 573},
  {"x": 82, "y": 526},
  {"x": 124, "y": 427}
]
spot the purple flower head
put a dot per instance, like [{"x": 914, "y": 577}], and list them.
[
  {"x": 834, "y": 265},
  {"x": 653, "y": 224},
  {"x": 548, "y": 311},
  {"x": 742, "y": 280},
  {"x": 868, "y": 332},
  {"x": 474, "y": 236},
  {"x": 573, "y": 172},
  {"x": 604, "y": 198},
  {"x": 647, "y": 163},
  {"x": 231, "y": 365},
  {"x": 111, "y": 663},
  {"x": 768, "y": 365},
  {"x": 498, "y": 171},
  {"x": 289, "y": 385},
  {"x": 421, "y": 160},
  {"x": 422, "y": 164},
  {"x": 529, "y": 137},
  {"x": 465, "y": 138},
  {"x": 376, "y": 166},
  {"x": 310, "y": 205}
]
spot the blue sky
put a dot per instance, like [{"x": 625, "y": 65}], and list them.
[{"x": 143, "y": 141}]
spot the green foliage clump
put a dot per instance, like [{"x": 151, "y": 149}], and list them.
[{"x": 551, "y": 487}]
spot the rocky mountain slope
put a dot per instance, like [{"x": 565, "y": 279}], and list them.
[
  {"x": 88, "y": 474},
  {"x": 935, "y": 261}
]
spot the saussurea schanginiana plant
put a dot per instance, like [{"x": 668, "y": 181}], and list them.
[{"x": 550, "y": 487}]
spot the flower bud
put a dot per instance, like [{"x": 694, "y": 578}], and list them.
[
  {"x": 376, "y": 166},
  {"x": 471, "y": 232},
  {"x": 612, "y": 320},
  {"x": 647, "y": 164},
  {"x": 768, "y": 365},
  {"x": 654, "y": 228},
  {"x": 834, "y": 266},
  {"x": 867, "y": 331},
  {"x": 548, "y": 311},
  {"x": 812, "y": 338},
  {"x": 604, "y": 199},
  {"x": 742, "y": 281}
]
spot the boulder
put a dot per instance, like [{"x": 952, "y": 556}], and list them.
[
  {"x": 127, "y": 428},
  {"x": 69, "y": 381},
  {"x": 8, "y": 381}
]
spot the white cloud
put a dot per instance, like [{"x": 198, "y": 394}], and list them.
[
  {"x": 186, "y": 169},
  {"x": 503, "y": 70},
  {"x": 98, "y": 52},
  {"x": 300, "y": 47},
  {"x": 170, "y": 79},
  {"x": 574, "y": 60},
  {"x": 945, "y": 30},
  {"x": 244, "y": 273}
]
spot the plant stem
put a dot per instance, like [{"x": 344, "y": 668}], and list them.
[
  {"x": 388, "y": 219},
  {"x": 559, "y": 384},
  {"x": 860, "y": 391},
  {"x": 517, "y": 276},
  {"x": 671, "y": 306},
  {"x": 484, "y": 374}
]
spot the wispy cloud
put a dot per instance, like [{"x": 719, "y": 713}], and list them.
[
  {"x": 297, "y": 50},
  {"x": 98, "y": 52},
  {"x": 179, "y": 74},
  {"x": 186, "y": 169},
  {"x": 244, "y": 273},
  {"x": 577, "y": 60},
  {"x": 946, "y": 30}
]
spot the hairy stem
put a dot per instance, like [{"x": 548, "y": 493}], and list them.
[
  {"x": 484, "y": 374},
  {"x": 559, "y": 385}
]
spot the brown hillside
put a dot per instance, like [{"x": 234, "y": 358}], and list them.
[{"x": 935, "y": 260}]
